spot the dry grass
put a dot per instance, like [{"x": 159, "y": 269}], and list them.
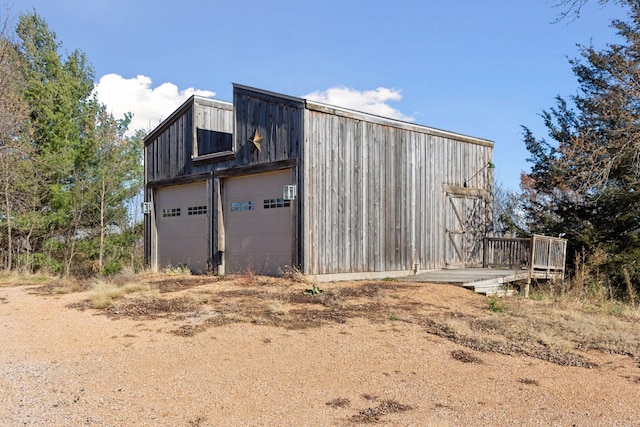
[
  {"x": 528, "y": 381},
  {"x": 13, "y": 279},
  {"x": 374, "y": 415},
  {"x": 559, "y": 329},
  {"x": 339, "y": 402},
  {"x": 103, "y": 294},
  {"x": 465, "y": 357},
  {"x": 570, "y": 324},
  {"x": 278, "y": 308}
]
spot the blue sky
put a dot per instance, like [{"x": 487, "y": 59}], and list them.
[{"x": 477, "y": 67}]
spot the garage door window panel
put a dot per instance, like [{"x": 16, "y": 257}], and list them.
[
  {"x": 197, "y": 210},
  {"x": 242, "y": 206},
  {"x": 276, "y": 203},
  {"x": 171, "y": 212}
]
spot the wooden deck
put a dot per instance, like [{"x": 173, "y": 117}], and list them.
[
  {"x": 482, "y": 280},
  {"x": 485, "y": 281}
]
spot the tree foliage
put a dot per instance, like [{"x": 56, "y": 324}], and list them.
[
  {"x": 67, "y": 170},
  {"x": 15, "y": 168},
  {"x": 585, "y": 180}
]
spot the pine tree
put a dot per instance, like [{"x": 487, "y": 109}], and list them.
[
  {"x": 586, "y": 181},
  {"x": 67, "y": 171}
]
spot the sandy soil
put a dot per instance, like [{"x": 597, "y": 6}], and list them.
[{"x": 64, "y": 364}]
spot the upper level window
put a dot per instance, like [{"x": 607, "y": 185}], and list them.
[
  {"x": 212, "y": 142},
  {"x": 212, "y": 122}
]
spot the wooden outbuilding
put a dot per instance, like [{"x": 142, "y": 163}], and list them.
[{"x": 271, "y": 182}]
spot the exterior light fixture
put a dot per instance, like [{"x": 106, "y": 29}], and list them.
[
  {"x": 489, "y": 165},
  {"x": 289, "y": 192}
]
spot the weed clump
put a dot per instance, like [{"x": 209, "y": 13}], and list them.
[
  {"x": 465, "y": 357},
  {"x": 314, "y": 290},
  {"x": 496, "y": 305},
  {"x": 104, "y": 293},
  {"x": 373, "y": 415},
  {"x": 339, "y": 402}
]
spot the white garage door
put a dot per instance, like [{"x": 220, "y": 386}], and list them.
[
  {"x": 182, "y": 221},
  {"x": 257, "y": 223}
]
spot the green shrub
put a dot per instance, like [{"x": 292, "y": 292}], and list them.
[
  {"x": 496, "y": 304},
  {"x": 111, "y": 267}
]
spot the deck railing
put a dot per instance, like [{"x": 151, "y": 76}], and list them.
[{"x": 541, "y": 256}]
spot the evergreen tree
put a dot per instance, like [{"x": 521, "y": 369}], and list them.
[
  {"x": 586, "y": 181},
  {"x": 61, "y": 111},
  {"x": 67, "y": 171}
]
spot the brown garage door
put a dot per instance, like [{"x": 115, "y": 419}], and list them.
[
  {"x": 182, "y": 221},
  {"x": 257, "y": 222}
]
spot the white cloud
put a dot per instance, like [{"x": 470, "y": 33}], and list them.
[
  {"x": 149, "y": 105},
  {"x": 369, "y": 101}
]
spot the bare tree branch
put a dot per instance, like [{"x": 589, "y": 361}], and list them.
[{"x": 571, "y": 8}]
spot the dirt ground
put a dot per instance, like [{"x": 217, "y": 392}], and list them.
[{"x": 203, "y": 351}]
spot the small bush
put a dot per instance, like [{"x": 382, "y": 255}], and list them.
[
  {"x": 496, "y": 305},
  {"x": 112, "y": 267},
  {"x": 44, "y": 263}
]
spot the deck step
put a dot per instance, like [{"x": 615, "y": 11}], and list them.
[
  {"x": 487, "y": 281},
  {"x": 490, "y": 287}
]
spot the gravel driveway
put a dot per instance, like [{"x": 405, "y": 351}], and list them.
[{"x": 64, "y": 366}]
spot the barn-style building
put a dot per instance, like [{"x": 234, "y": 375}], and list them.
[{"x": 272, "y": 181}]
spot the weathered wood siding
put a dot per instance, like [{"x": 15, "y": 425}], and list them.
[
  {"x": 171, "y": 150},
  {"x": 169, "y": 153},
  {"x": 375, "y": 191},
  {"x": 372, "y": 192},
  {"x": 277, "y": 118}
]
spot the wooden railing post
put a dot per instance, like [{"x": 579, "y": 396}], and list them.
[
  {"x": 485, "y": 251},
  {"x": 532, "y": 254},
  {"x": 549, "y": 259}
]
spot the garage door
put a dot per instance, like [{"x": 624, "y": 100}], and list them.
[
  {"x": 257, "y": 222},
  {"x": 182, "y": 222}
]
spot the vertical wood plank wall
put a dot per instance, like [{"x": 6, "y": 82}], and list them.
[
  {"x": 371, "y": 191},
  {"x": 277, "y": 119},
  {"x": 170, "y": 147},
  {"x": 375, "y": 191}
]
